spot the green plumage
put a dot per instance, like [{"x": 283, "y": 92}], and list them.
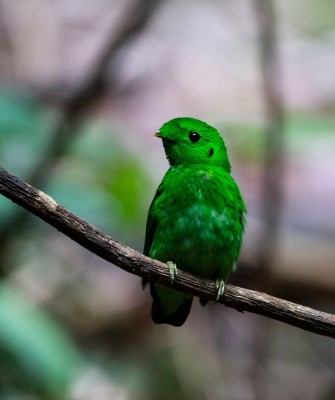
[{"x": 196, "y": 219}]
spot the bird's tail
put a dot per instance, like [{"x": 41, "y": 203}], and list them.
[{"x": 173, "y": 308}]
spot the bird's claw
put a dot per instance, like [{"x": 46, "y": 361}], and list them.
[
  {"x": 219, "y": 286},
  {"x": 173, "y": 272}
]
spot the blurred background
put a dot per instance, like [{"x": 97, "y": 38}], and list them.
[{"x": 83, "y": 86}]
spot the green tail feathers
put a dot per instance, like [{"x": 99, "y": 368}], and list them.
[{"x": 169, "y": 306}]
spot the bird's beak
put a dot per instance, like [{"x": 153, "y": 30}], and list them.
[{"x": 157, "y": 134}]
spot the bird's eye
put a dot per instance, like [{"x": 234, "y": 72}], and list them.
[{"x": 194, "y": 137}]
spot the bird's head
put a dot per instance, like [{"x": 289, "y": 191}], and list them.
[{"x": 189, "y": 141}]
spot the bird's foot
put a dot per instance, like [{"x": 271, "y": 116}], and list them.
[
  {"x": 219, "y": 286},
  {"x": 173, "y": 272}
]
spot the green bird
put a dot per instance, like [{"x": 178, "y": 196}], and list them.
[{"x": 196, "y": 219}]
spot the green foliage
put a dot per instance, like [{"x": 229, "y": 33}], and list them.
[
  {"x": 104, "y": 182},
  {"x": 301, "y": 125},
  {"x": 23, "y": 131},
  {"x": 22, "y": 137},
  {"x": 165, "y": 382},
  {"x": 318, "y": 16},
  {"x": 36, "y": 355},
  {"x": 99, "y": 178},
  {"x": 246, "y": 140}
]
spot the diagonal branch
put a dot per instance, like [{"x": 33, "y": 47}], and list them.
[{"x": 134, "y": 262}]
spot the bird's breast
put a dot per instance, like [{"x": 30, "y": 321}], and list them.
[{"x": 199, "y": 225}]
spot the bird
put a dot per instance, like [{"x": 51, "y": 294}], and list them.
[{"x": 197, "y": 217}]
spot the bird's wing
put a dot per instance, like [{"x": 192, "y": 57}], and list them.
[{"x": 152, "y": 223}]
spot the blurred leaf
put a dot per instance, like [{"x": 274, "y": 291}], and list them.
[
  {"x": 22, "y": 131},
  {"x": 22, "y": 137},
  {"x": 18, "y": 114},
  {"x": 318, "y": 18},
  {"x": 126, "y": 183},
  {"x": 311, "y": 124},
  {"x": 102, "y": 180},
  {"x": 36, "y": 355},
  {"x": 245, "y": 141}
]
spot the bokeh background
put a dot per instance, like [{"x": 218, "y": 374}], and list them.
[{"x": 83, "y": 86}]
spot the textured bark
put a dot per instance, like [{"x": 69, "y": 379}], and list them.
[{"x": 136, "y": 263}]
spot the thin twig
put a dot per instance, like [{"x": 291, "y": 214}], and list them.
[{"x": 136, "y": 263}]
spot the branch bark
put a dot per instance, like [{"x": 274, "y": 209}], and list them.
[{"x": 136, "y": 263}]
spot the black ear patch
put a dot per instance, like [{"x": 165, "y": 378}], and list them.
[{"x": 211, "y": 152}]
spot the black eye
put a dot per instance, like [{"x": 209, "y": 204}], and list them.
[{"x": 194, "y": 137}]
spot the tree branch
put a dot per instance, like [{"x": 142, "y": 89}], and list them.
[{"x": 136, "y": 263}]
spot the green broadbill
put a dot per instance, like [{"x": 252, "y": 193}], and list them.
[{"x": 196, "y": 219}]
